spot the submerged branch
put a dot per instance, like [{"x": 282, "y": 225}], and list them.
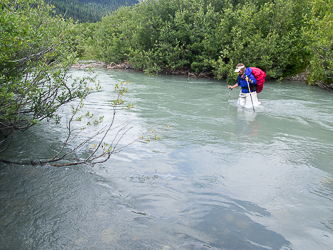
[{"x": 100, "y": 153}]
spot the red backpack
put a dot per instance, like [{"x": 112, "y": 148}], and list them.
[{"x": 259, "y": 75}]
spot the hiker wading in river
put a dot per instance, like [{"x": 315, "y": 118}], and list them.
[{"x": 248, "y": 84}]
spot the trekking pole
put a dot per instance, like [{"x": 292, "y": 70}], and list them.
[
  {"x": 248, "y": 85},
  {"x": 229, "y": 94}
]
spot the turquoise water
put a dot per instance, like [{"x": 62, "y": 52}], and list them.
[{"x": 221, "y": 177}]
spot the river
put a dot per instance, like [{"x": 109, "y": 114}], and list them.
[{"x": 220, "y": 177}]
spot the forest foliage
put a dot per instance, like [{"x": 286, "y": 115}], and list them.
[
  {"x": 282, "y": 37},
  {"x": 88, "y": 10}
]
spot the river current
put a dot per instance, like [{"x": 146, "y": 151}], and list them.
[{"x": 219, "y": 176}]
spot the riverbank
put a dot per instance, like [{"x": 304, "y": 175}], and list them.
[
  {"x": 98, "y": 64},
  {"x": 183, "y": 71},
  {"x": 301, "y": 77}
]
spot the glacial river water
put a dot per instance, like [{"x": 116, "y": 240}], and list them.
[{"x": 220, "y": 177}]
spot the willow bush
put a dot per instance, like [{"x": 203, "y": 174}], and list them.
[
  {"x": 319, "y": 33},
  {"x": 267, "y": 37}
]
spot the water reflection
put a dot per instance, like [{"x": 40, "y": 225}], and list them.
[
  {"x": 202, "y": 218},
  {"x": 247, "y": 122},
  {"x": 231, "y": 228}
]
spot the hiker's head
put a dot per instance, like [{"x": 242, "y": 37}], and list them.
[{"x": 240, "y": 68}]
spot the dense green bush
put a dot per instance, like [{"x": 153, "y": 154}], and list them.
[{"x": 319, "y": 33}]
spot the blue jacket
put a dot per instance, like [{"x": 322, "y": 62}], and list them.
[{"x": 243, "y": 84}]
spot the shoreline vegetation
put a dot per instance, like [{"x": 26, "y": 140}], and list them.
[
  {"x": 84, "y": 64},
  {"x": 288, "y": 39}
]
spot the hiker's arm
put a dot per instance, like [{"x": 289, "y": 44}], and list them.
[{"x": 232, "y": 87}]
